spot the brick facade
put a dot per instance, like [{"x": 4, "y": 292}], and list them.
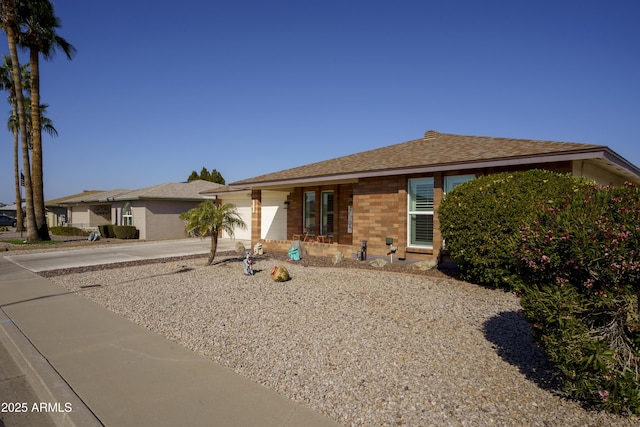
[
  {"x": 256, "y": 215},
  {"x": 380, "y": 211}
]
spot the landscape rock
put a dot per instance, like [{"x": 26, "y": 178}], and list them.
[
  {"x": 378, "y": 263},
  {"x": 424, "y": 265},
  {"x": 257, "y": 249},
  {"x": 338, "y": 258}
]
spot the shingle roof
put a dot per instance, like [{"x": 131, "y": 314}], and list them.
[
  {"x": 85, "y": 193},
  {"x": 167, "y": 191},
  {"x": 432, "y": 150},
  {"x": 95, "y": 197},
  {"x": 172, "y": 190},
  {"x": 224, "y": 189}
]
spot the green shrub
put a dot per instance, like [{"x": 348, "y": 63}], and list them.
[
  {"x": 125, "y": 232},
  {"x": 106, "y": 231},
  {"x": 481, "y": 219},
  {"x": 581, "y": 259},
  {"x": 68, "y": 231}
]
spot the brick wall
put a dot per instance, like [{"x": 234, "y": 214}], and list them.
[
  {"x": 379, "y": 211},
  {"x": 342, "y": 195},
  {"x": 256, "y": 215},
  {"x": 313, "y": 249}
]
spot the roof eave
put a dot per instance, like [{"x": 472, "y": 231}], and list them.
[
  {"x": 604, "y": 154},
  {"x": 164, "y": 198}
]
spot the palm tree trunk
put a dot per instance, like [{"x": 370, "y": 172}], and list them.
[
  {"x": 9, "y": 19},
  {"x": 214, "y": 247},
  {"x": 16, "y": 172},
  {"x": 36, "y": 140}
]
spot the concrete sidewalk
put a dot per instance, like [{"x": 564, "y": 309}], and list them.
[{"x": 109, "y": 371}]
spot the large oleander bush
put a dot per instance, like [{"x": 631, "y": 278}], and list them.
[
  {"x": 580, "y": 262},
  {"x": 572, "y": 250},
  {"x": 480, "y": 221}
]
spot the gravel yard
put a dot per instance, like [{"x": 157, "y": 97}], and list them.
[{"x": 364, "y": 347}]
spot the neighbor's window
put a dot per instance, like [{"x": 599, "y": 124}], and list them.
[
  {"x": 421, "y": 212},
  {"x": 309, "y": 214},
  {"x": 127, "y": 217},
  {"x": 326, "y": 228}
]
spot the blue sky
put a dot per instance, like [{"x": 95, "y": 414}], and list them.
[{"x": 158, "y": 89}]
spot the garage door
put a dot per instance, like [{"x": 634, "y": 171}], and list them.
[{"x": 244, "y": 209}]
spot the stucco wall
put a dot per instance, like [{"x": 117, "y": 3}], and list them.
[
  {"x": 601, "y": 176},
  {"x": 79, "y": 216},
  {"x": 99, "y": 215},
  {"x": 139, "y": 218},
  {"x": 273, "y": 214}
]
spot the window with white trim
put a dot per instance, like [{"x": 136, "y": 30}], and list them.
[
  {"x": 420, "y": 221},
  {"x": 127, "y": 216}
]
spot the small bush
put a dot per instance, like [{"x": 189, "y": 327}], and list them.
[
  {"x": 481, "y": 219},
  {"x": 581, "y": 261},
  {"x": 106, "y": 231},
  {"x": 125, "y": 232},
  {"x": 68, "y": 231}
]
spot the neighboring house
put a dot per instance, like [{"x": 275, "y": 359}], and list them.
[
  {"x": 154, "y": 211},
  {"x": 11, "y": 210},
  {"x": 57, "y": 212},
  {"x": 395, "y": 191}
]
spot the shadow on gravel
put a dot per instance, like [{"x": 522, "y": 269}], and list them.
[{"x": 511, "y": 336}]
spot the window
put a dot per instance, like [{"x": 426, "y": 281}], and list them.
[
  {"x": 127, "y": 217},
  {"x": 309, "y": 214},
  {"x": 451, "y": 182},
  {"x": 326, "y": 228},
  {"x": 421, "y": 212}
]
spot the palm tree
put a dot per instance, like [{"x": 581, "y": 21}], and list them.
[
  {"x": 39, "y": 36},
  {"x": 10, "y": 24},
  {"x": 46, "y": 124},
  {"x": 6, "y": 83},
  {"x": 210, "y": 218}
]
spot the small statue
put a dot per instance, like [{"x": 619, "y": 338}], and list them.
[{"x": 248, "y": 264}]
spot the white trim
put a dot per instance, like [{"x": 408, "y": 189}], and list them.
[{"x": 410, "y": 212}]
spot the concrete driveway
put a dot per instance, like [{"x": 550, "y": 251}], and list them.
[{"x": 114, "y": 253}]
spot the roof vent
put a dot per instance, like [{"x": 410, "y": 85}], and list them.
[{"x": 430, "y": 134}]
